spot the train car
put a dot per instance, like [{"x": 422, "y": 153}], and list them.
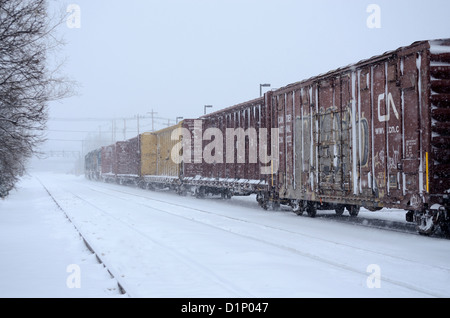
[
  {"x": 92, "y": 165},
  {"x": 148, "y": 155},
  {"x": 224, "y": 158},
  {"x": 159, "y": 168},
  {"x": 88, "y": 165},
  {"x": 374, "y": 134},
  {"x": 127, "y": 161},
  {"x": 108, "y": 166}
]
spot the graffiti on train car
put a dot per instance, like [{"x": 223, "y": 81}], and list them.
[{"x": 334, "y": 141}]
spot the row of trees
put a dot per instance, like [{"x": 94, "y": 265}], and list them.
[{"x": 27, "y": 83}]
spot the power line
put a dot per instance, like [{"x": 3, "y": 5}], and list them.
[
  {"x": 71, "y": 140},
  {"x": 81, "y": 119},
  {"x": 71, "y": 131},
  {"x": 107, "y": 119}
]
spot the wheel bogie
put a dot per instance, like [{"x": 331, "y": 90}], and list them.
[
  {"x": 298, "y": 206},
  {"x": 311, "y": 207}
]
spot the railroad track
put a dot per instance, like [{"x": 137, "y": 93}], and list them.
[
  {"x": 197, "y": 267},
  {"x": 90, "y": 246},
  {"x": 373, "y": 223},
  {"x": 195, "y": 215}
]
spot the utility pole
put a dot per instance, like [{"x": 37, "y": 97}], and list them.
[
  {"x": 138, "y": 124},
  {"x": 152, "y": 113},
  {"x": 124, "y": 129},
  {"x": 112, "y": 132}
]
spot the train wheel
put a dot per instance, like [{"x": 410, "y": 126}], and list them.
[
  {"x": 311, "y": 209},
  {"x": 339, "y": 210},
  {"x": 353, "y": 210},
  {"x": 225, "y": 195}
]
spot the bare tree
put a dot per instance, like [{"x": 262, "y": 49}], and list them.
[{"x": 26, "y": 83}]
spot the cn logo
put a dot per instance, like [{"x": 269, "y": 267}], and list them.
[{"x": 390, "y": 102}]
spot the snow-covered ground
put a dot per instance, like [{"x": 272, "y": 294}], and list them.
[
  {"x": 39, "y": 247},
  {"x": 158, "y": 244}
]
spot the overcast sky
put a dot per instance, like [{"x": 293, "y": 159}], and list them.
[{"x": 175, "y": 56}]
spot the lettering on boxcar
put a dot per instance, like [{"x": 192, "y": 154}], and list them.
[
  {"x": 390, "y": 102},
  {"x": 410, "y": 145}
]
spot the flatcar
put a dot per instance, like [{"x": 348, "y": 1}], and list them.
[{"x": 374, "y": 134}]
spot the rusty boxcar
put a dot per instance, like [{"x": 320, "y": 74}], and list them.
[
  {"x": 108, "y": 167},
  {"x": 128, "y": 160},
  {"x": 374, "y": 134},
  {"x": 223, "y": 150}
]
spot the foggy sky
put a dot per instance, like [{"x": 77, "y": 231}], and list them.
[{"x": 175, "y": 56}]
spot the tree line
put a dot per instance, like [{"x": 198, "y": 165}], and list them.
[{"x": 27, "y": 83}]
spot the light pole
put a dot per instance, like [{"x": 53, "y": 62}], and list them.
[
  {"x": 207, "y": 106},
  {"x": 260, "y": 88},
  {"x": 178, "y": 119}
]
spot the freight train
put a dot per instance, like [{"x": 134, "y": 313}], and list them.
[{"x": 375, "y": 134}]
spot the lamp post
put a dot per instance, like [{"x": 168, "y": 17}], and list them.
[
  {"x": 178, "y": 119},
  {"x": 207, "y": 106},
  {"x": 261, "y": 86}
]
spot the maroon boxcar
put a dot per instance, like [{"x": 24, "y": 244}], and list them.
[
  {"x": 373, "y": 134},
  {"x": 127, "y": 160},
  {"x": 225, "y": 157},
  {"x": 108, "y": 166}
]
